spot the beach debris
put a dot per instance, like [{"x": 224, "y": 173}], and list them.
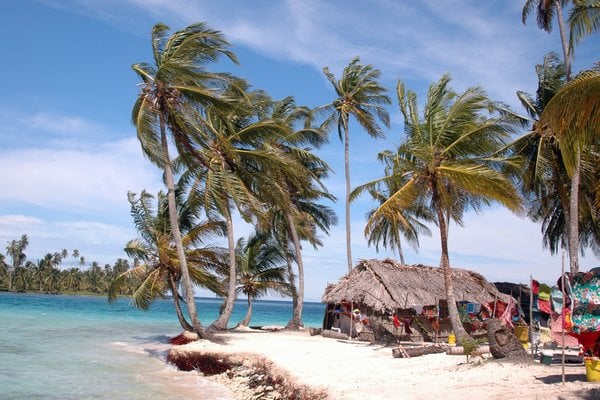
[
  {"x": 460, "y": 350},
  {"x": 407, "y": 352},
  {"x": 184, "y": 337}
]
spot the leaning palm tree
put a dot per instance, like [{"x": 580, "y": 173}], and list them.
[
  {"x": 445, "y": 159},
  {"x": 231, "y": 159},
  {"x": 573, "y": 117},
  {"x": 293, "y": 193},
  {"x": 260, "y": 270},
  {"x": 359, "y": 95},
  {"x": 173, "y": 92},
  {"x": 159, "y": 269}
]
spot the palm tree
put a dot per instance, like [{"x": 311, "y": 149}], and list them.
[
  {"x": 3, "y": 270},
  {"x": 293, "y": 193},
  {"x": 229, "y": 175},
  {"x": 389, "y": 229},
  {"x": 573, "y": 117},
  {"x": 93, "y": 278},
  {"x": 174, "y": 91},
  {"x": 159, "y": 268},
  {"x": 584, "y": 19},
  {"x": 361, "y": 96},
  {"x": 16, "y": 251},
  {"x": 543, "y": 179},
  {"x": 545, "y": 10},
  {"x": 72, "y": 280},
  {"x": 445, "y": 161},
  {"x": 261, "y": 270}
]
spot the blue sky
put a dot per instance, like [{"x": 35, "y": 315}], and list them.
[{"x": 68, "y": 152}]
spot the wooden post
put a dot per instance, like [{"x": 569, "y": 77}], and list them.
[
  {"x": 437, "y": 318},
  {"x": 531, "y": 314},
  {"x": 404, "y": 319},
  {"x": 562, "y": 327},
  {"x": 351, "y": 319}
]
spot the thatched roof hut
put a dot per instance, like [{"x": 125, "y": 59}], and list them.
[{"x": 385, "y": 285}]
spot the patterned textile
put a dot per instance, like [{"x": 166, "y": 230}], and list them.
[
  {"x": 556, "y": 326},
  {"x": 585, "y": 296}
]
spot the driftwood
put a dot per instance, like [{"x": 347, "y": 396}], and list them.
[
  {"x": 333, "y": 334},
  {"x": 460, "y": 351},
  {"x": 407, "y": 352},
  {"x": 315, "y": 331},
  {"x": 503, "y": 342}
]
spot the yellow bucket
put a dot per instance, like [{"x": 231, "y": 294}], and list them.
[
  {"x": 452, "y": 338},
  {"x": 592, "y": 370},
  {"x": 522, "y": 333}
]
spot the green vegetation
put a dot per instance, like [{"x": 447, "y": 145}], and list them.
[{"x": 57, "y": 272}]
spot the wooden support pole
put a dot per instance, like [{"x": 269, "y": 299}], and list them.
[{"x": 531, "y": 315}]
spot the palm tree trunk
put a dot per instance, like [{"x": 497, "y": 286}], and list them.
[
  {"x": 457, "y": 326},
  {"x": 296, "y": 321},
  {"x": 574, "y": 217},
  {"x": 175, "y": 294},
  {"x": 174, "y": 220},
  {"x": 223, "y": 320},
  {"x": 292, "y": 282},
  {"x": 248, "y": 316},
  {"x": 563, "y": 39},
  {"x": 400, "y": 252},
  {"x": 347, "y": 173}
]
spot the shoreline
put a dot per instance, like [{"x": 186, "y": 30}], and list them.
[{"x": 349, "y": 369}]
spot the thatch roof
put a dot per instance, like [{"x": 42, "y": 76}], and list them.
[{"x": 385, "y": 285}]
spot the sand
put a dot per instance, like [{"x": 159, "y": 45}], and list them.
[{"x": 351, "y": 370}]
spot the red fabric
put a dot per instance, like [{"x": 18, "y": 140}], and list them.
[
  {"x": 506, "y": 316},
  {"x": 396, "y": 321},
  {"x": 544, "y": 306},
  {"x": 590, "y": 342},
  {"x": 535, "y": 286}
]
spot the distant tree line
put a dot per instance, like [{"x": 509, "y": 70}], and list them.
[{"x": 57, "y": 272}]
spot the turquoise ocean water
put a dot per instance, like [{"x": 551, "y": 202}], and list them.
[{"x": 80, "y": 347}]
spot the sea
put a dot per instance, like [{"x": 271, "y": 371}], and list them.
[{"x": 80, "y": 347}]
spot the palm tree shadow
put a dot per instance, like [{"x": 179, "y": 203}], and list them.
[
  {"x": 584, "y": 394},
  {"x": 551, "y": 379}
]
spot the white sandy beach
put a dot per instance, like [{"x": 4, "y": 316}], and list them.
[{"x": 351, "y": 370}]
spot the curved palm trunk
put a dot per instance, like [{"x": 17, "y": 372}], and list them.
[
  {"x": 182, "y": 321},
  {"x": 347, "y": 173},
  {"x": 574, "y": 217},
  {"x": 296, "y": 321},
  {"x": 248, "y": 316},
  {"x": 223, "y": 320},
  {"x": 292, "y": 281},
  {"x": 174, "y": 220},
  {"x": 457, "y": 326}
]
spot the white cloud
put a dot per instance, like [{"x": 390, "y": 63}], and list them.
[{"x": 60, "y": 178}]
